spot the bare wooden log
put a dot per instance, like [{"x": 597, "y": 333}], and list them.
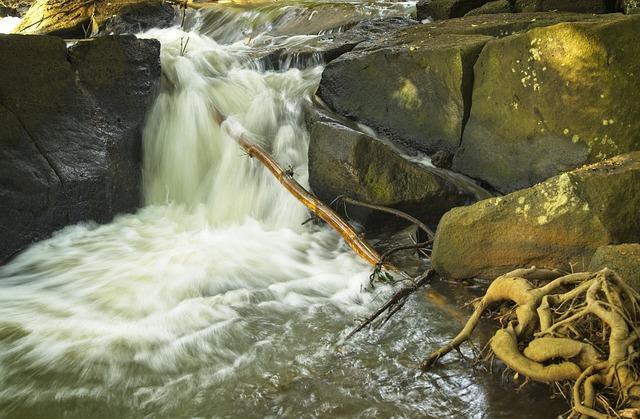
[{"x": 319, "y": 208}]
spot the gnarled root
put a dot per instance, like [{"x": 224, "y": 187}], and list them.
[{"x": 580, "y": 328}]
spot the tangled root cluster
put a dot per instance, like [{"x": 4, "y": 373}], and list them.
[{"x": 581, "y": 329}]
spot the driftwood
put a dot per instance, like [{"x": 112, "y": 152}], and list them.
[
  {"x": 355, "y": 241},
  {"x": 317, "y": 207}
]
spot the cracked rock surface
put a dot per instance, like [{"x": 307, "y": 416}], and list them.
[{"x": 70, "y": 131}]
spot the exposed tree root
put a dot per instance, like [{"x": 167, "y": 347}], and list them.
[{"x": 580, "y": 328}]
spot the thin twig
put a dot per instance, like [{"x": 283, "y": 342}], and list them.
[{"x": 396, "y": 301}]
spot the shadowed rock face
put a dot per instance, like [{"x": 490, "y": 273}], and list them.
[
  {"x": 582, "y": 6},
  {"x": 498, "y": 6},
  {"x": 71, "y": 131},
  {"x": 558, "y": 223},
  {"x": 446, "y": 9},
  {"x": 565, "y": 96}
]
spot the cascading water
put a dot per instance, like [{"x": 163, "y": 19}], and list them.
[{"x": 214, "y": 300}]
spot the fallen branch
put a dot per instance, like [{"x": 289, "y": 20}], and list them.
[
  {"x": 323, "y": 211},
  {"x": 422, "y": 226}
]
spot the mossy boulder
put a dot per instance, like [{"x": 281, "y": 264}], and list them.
[
  {"x": 346, "y": 161},
  {"x": 415, "y": 90},
  {"x": 552, "y": 99},
  {"x": 446, "y": 9},
  {"x": 77, "y": 18},
  {"x": 622, "y": 258},
  {"x": 70, "y": 131},
  {"x": 578, "y": 6},
  {"x": 557, "y": 224},
  {"x": 493, "y": 7}
]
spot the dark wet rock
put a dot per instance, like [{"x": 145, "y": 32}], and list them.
[
  {"x": 344, "y": 160},
  {"x": 581, "y": 6},
  {"x": 442, "y": 159},
  {"x": 411, "y": 88},
  {"x": 446, "y": 9},
  {"x": 14, "y": 8},
  {"x": 493, "y": 7},
  {"x": 8, "y": 12},
  {"x": 138, "y": 17},
  {"x": 77, "y": 19},
  {"x": 556, "y": 224},
  {"x": 624, "y": 259},
  {"x": 70, "y": 131},
  {"x": 553, "y": 99},
  {"x": 328, "y": 47}
]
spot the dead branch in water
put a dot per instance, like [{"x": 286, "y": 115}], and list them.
[
  {"x": 395, "y": 302},
  {"x": 422, "y": 226},
  {"x": 319, "y": 208},
  {"x": 358, "y": 244}
]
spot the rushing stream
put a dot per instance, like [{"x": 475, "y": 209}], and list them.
[{"x": 214, "y": 300}]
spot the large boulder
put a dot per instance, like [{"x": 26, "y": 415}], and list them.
[
  {"x": 577, "y": 6},
  {"x": 77, "y": 19},
  {"x": 622, "y": 258},
  {"x": 415, "y": 90},
  {"x": 70, "y": 131},
  {"x": 552, "y": 99},
  {"x": 557, "y": 224},
  {"x": 446, "y": 9},
  {"x": 414, "y": 84},
  {"x": 343, "y": 160}
]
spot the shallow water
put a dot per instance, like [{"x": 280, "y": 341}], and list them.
[{"x": 214, "y": 300}]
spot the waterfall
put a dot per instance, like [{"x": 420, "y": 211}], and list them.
[
  {"x": 213, "y": 300},
  {"x": 191, "y": 161},
  {"x": 176, "y": 289}
]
